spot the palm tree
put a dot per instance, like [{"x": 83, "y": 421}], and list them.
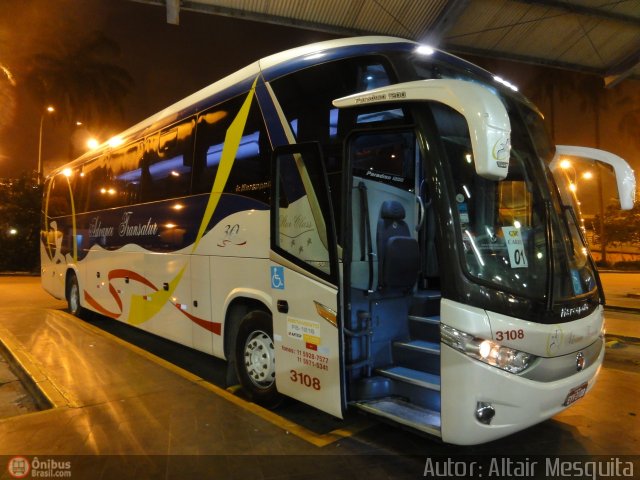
[
  {"x": 630, "y": 121},
  {"x": 7, "y": 96},
  {"x": 81, "y": 80},
  {"x": 543, "y": 93}
]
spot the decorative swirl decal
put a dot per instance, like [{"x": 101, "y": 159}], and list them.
[
  {"x": 144, "y": 307},
  {"x": 214, "y": 327}
]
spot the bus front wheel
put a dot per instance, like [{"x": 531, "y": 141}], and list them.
[
  {"x": 255, "y": 359},
  {"x": 73, "y": 295}
]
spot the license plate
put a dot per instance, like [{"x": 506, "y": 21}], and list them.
[{"x": 575, "y": 394}]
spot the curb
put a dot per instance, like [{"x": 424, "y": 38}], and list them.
[
  {"x": 19, "y": 274},
  {"x": 45, "y": 394},
  {"x": 618, "y": 271},
  {"x": 609, "y": 337},
  {"x": 618, "y": 308}
]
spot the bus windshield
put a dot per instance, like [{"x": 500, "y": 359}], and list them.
[{"x": 514, "y": 233}]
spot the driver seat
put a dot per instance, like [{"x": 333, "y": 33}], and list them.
[{"x": 398, "y": 252}]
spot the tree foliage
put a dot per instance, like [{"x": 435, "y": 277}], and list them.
[
  {"x": 630, "y": 121},
  {"x": 7, "y": 97},
  {"x": 20, "y": 225},
  {"x": 81, "y": 80},
  {"x": 621, "y": 227}
]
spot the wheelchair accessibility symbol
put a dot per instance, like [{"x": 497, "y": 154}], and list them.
[{"x": 277, "y": 278}]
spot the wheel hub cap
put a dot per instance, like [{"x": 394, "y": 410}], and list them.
[{"x": 259, "y": 359}]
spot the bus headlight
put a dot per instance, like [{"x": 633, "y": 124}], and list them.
[{"x": 487, "y": 351}]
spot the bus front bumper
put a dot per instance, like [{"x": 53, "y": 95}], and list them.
[{"x": 517, "y": 402}]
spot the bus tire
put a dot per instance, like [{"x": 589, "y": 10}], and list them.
[
  {"x": 73, "y": 295},
  {"x": 255, "y": 359}
]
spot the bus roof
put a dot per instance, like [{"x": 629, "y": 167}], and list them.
[
  {"x": 263, "y": 65},
  {"x": 269, "y": 67}
]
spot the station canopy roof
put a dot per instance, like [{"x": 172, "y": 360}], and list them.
[{"x": 600, "y": 37}]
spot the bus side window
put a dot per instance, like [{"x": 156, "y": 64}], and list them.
[
  {"x": 149, "y": 157},
  {"x": 166, "y": 170},
  {"x": 59, "y": 197},
  {"x": 111, "y": 181},
  {"x": 211, "y": 128},
  {"x": 125, "y": 165},
  {"x": 81, "y": 192},
  {"x": 249, "y": 175},
  {"x": 98, "y": 183},
  {"x": 306, "y": 98}
]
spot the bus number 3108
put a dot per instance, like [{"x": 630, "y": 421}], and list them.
[
  {"x": 304, "y": 379},
  {"x": 510, "y": 335}
]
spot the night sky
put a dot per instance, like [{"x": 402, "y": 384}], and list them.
[{"x": 167, "y": 63}]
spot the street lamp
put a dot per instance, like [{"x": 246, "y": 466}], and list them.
[
  {"x": 92, "y": 143},
  {"x": 566, "y": 165},
  {"x": 571, "y": 181},
  {"x": 49, "y": 109}
]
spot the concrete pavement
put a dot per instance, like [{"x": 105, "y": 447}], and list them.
[
  {"x": 110, "y": 398},
  {"x": 622, "y": 293},
  {"x": 621, "y": 289},
  {"x": 117, "y": 412}
]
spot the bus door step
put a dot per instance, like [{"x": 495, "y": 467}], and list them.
[
  {"x": 422, "y": 346},
  {"x": 405, "y": 413},
  {"x": 425, "y": 328},
  {"x": 425, "y": 303},
  {"x": 433, "y": 320},
  {"x": 418, "y": 378},
  {"x": 419, "y": 355}
]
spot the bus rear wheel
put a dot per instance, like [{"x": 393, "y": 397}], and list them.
[
  {"x": 73, "y": 295},
  {"x": 255, "y": 359}
]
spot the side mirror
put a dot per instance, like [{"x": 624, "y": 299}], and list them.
[
  {"x": 625, "y": 178},
  {"x": 484, "y": 112}
]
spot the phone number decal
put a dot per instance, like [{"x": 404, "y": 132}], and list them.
[{"x": 309, "y": 359}]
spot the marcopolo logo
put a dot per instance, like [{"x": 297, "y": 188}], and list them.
[{"x": 21, "y": 467}]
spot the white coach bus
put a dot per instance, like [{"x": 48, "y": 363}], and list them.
[{"x": 360, "y": 223}]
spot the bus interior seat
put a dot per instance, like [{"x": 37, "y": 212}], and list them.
[{"x": 398, "y": 252}]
